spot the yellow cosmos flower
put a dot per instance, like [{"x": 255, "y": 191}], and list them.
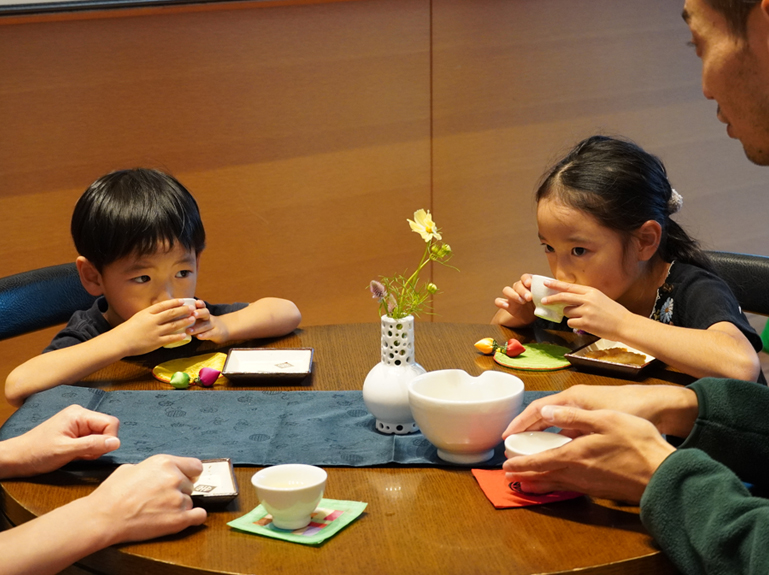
[{"x": 424, "y": 225}]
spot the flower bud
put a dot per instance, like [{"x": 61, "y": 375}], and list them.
[
  {"x": 378, "y": 291},
  {"x": 431, "y": 288}
]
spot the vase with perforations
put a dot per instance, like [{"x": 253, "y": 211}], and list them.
[{"x": 385, "y": 389}]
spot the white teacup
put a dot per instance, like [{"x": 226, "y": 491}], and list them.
[
  {"x": 531, "y": 442},
  {"x": 290, "y": 492},
  {"x": 538, "y": 291},
  {"x": 188, "y": 301}
]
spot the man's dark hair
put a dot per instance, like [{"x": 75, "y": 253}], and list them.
[
  {"x": 135, "y": 212},
  {"x": 736, "y": 13}
]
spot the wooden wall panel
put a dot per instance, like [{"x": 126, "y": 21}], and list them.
[
  {"x": 302, "y": 131},
  {"x": 298, "y": 129},
  {"x": 515, "y": 84}
]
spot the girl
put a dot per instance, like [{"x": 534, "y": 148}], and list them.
[{"x": 626, "y": 271}]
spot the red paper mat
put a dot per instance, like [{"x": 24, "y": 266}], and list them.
[{"x": 497, "y": 488}]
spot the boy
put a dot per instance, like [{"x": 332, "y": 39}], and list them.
[{"x": 139, "y": 236}]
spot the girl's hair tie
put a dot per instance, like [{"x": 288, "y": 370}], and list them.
[{"x": 675, "y": 202}]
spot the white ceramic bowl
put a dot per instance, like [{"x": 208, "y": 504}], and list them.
[
  {"x": 290, "y": 492},
  {"x": 462, "y": 415},
  {"x": 530, "y": 442}
]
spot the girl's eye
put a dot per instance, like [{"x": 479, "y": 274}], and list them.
[
  {"x": 142, "y": 279},
  {"x": 548, "y": 249},
  {"x": 578, "y": 251},
  {"x": 184, "y": 274}
]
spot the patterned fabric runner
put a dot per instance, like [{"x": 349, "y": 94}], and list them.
[{"x": 250, "y": 427}]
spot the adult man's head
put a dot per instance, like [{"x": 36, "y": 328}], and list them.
[{"x": 731, "y": 38}]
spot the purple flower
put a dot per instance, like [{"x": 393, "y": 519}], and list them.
[
  {"x": 391, "y": 303},
  {"x": 378, "y": 291}
]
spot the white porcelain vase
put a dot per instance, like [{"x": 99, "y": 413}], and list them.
[{"x": 385, "y": 390}]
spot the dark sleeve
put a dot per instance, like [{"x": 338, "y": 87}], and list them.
[
  {"x": 733, "y": 426},
  {"x": 707, "y": 300},
  {"x": 704, "y": 518},
  {"x": 696, "y": 505},
  {"x": 66, "y": 338},
  {"x": 82, "y": 326},
  {"x": 224, "y": 308}
]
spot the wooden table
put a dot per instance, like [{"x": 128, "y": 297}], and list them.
[{"x": 418, "y": 520}]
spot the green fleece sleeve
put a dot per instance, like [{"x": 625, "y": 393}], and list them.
[
  {"x": 732, "y": 427},
  {"x": 704, "y": 518}
]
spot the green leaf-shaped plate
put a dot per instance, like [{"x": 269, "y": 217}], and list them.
[{"x": 536, "y": 357}]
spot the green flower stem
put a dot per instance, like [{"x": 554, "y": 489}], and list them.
[{"x": 412, "y": 281}]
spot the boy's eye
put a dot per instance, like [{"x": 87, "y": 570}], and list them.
[
  {"x": 578, "y": 251},
  {"x": 184, "y": 273},
  {"x": 548, "y": 249},
  {"x": 142, "y": 279}
]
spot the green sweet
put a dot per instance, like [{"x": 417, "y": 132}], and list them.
[{"x": 180, "y": 380}]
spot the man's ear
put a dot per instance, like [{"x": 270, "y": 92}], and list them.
[
  {"x": 763, "y": 8},
  {"x": 89, "y": 276},
  {"x": 648, "y": 237}
]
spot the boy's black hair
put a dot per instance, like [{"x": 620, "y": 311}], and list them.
[{"x": 135, "y": 212}]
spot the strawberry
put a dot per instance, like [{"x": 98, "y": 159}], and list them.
[{"x": 514, "y": 348}]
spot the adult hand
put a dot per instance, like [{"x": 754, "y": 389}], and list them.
[
  {"x": 147, "y": 500},
  {"x": 613, "y": 455},
  {"x": 671, "y": 408},
  {"x": 73, "y": 433}
]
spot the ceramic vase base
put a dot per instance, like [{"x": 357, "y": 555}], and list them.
[
  {"x": 396, "y": 428},
  {"x": 465, "y": 458}
]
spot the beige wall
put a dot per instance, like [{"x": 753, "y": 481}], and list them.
[{"x": 309, "y": 134}]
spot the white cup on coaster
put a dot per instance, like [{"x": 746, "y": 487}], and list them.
[
  {"x": 538, "y": 291},
  {"x": 290, "y": 493},
  {"x": 188, "y": 301}
]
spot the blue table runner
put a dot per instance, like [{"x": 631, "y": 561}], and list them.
[{"x": 250, "y": 427}]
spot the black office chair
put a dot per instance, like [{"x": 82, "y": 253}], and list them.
[
  {"x": 748, "y": 276},
  {"x": 40, "y": 298}
]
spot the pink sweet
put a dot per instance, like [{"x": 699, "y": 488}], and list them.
[{"x": 207, "y": 376}]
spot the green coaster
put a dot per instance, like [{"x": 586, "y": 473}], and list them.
[
  {"x": 537, "y": 357},
  {"x": 328, "y": 519}
]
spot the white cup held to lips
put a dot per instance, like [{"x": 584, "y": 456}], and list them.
[
  {"x": 538, "y": 291},
  {"x": 188, "y": 301},
  {"x": 290, "y": 493}
]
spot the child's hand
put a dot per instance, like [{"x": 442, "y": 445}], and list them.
[
  {"x": 588, "y": 309},
  {"x": 154, "y": 327},
  {"x": 209, "y": 327},
  {"x": 516, "y": 307}
]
